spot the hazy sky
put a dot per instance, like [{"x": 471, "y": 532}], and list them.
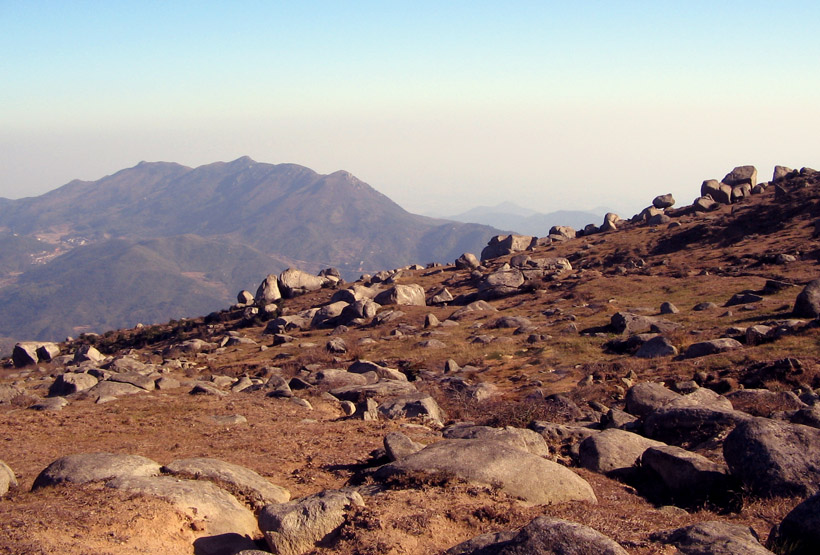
[{"x": 440, "y": 105}]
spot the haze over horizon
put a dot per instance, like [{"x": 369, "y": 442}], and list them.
[{"x": 442, "y": 107}]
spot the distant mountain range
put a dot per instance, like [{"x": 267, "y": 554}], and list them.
[
  {"x": 525, "y": 221},
  {"x": 161, "y": 240}
]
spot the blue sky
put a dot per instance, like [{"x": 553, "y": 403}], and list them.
[{"x": 439, "y": 105}]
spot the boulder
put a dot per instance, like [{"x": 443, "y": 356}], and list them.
[
  {"x": 69, "y": 383},
  {"x": 741, "y": 175},
  {"x": 781, "y": 172},
  {"x": 467, "y": 261},
  {"x": 293, "y": 282},
  {"x": 501, "y": 245},
  {"x": 669, "y": 308},
  {"x": 442, "y": 297},
  {"x": 268, "y": 291},
  {"x": 91, "y": 467},
  {"x": 687, "y": 476},
  {"x": 656, "y": 347},
  {"x": 492, "y": 463},
  {"x": 251, "y": 485},
  {"x": 762, "y": 402},
  {"x": 518, "y": 438},
  {"x": 245, "y": 298},
  {"x": 420, "y": 405},
  {"x": 713, "y": 538},
  {"x": 627, "y": 322},
  {"x": 47, "y": 351},
  {"x": 328, "y": 314},
  {"x": 614, "y": 452},
  {"x": 719, "y": 192},
  {"x": 477, "y": 306},
  {"x": 705, "y": 204},
  {"x": 397, "y": 446},
  {"x": 298, "y": 526},
  {"x": 645, "y": 397},
  {"x": 711, "y": 347},
  {"x": 8, "y": 480},
  {"x": 24, "y": 354},
  {"x": 148, "y": 383},
  {"x": 663, "y": 201},
  {"x": 380, "y": 390},
  {"x": 88, "y": 353},
  {"x": 774, "y": 458},
  {"x": 743, "y": 298},
  {"x": 799, "y": 532},
  {"x": 659, "y": 219},
  {"x": 807, "y": 304},
  {"x": 409, "y": 295},
  {"x": 610, "y": 222},
  {"x": 500, "y": 284},
  {"x": 544, "y": 535},
  {"x": 219, "y": 516},
  {"x": 563, "y": 231},
  {"x": 336, "y": 377},
  {"x": 690, "y": 424}
]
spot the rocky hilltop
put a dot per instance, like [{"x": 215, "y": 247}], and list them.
[{"x": 649, "y": 385}]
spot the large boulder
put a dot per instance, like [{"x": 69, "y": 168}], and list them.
[
  {"x": 492, "y": 463},
  {"x": 328, "y": 314},
  {"x": 643, "y": 398},
  {"x": 741, "y": 175},
  {"x": 420, "y": 405},
  {"x": 775, "y": 458},
  {"x": 544, "y": 535},
  {"x": 679, "y": 425},
  {"x": 518, "y": 438},
  {"x": 293, "y": 282},
  {"x": 711, "y": 347},
  {"x": 24, "y": 354},
  {"x": 407, "y": 295},
  {"x": 657, "y": 347},
  {"x": 614, "y": 451},
  {"x": 501, "y": 245},
  {"x": 8, "y": 480},
  {"x": 69, "y": 383},
  {"x": 467, "y": 261},
  {"x": 501, "y": 283},
  {"x": 720, "y": 192},
  {"x": 563, "y": 231},
  {"x": 663, "y": 201},
  {"x": 268, "y": 291},
  {"x": 91, "y": 467},
  {"x": 713, "y": 538},
  {"x": 687, "y": 476},
  {"x": 799, "y": 532},
  {"x": 807, "y": 304},
  {"x": 251, "y": 485},
  {"x": 298, "y": 526}
]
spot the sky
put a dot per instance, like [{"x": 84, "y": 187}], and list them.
[{"x": 442, "y": 106}]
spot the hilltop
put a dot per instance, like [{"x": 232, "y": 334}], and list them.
[
  {"x": 161, "y": 240},
  {"x": 652, "y": 382}
]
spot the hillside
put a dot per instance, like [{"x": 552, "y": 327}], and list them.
[
  {"x": 254, "y": 214},
  {"x": 656, "y": 385}
]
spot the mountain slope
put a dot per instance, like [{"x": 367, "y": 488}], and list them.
[{"x": 525, "y": 221}]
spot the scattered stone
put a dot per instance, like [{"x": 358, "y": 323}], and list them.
[
  {"x": 267, "y": 292},
  {"x": 88, "y": 353},
  {"x": 669, "y": 308},
  {"x": 205, "y": 388},
  {"x": 700, "y": 307},
  {"x": 743, "y": 298},
  {"x": 293, "y": 282},
  {"x": 24, "y": 354},
  {"x": 517, "y": 438},
  {"x": 298, "y": 526},
  {"x": 467, "y": 261},
  {"x": 52, "y": 404}
]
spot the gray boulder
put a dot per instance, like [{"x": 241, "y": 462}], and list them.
[
  {"x": 501, "y": 245},
  {"x": 544, "y": 535},
  {"x": 397, "y": 446},
  {"x": 781, "y": 172},
  {"x": 492, "y": 463},
  {"x": 251, "y": 485},
  {"x": 611, "y": 221},
  {"x": 705, "y": 204},
  {"x": 298, "y": 526},
  {"x": 741, "y": 175},
  {"x": 807, "y": 304},
  {"x": 687, "y": 476},
  {"x": 69, "y": 383},
  {"x": 381, "y": 390},
  {"x": 477, "y": 306},
  {"x": 657, "y": 347},
  {"x": 500, "y": 284},
  {"x": 268, "y": 291},
  {"x": 563, "y": 231},
  {"x": 720, "y": 192},
  {"x": 47, "y": 351},
  {"x": 328, "y": 314},
  {"x": 679, "y": 425},
  {"x": 24, "y": 354},
  {"x": 8, "y": 480},
  {"x": 293, "y": 282},
  {"x": 467, "y": 261},
  {"x": 663, "y": 201},
  {"x": 405, "y": 295},
  {"x": 643, "y": 398},
  {"x": 518, "y": 438},
  {"x": 711, "y": 347},
  {"x": 799, "y": 532},
  {"x": 614, "y": 452},
  {"x": 419, "y": 405},
  {"x": 91, "y": 467},
  {"x": 775, "y": 458},
  {"x": 713, "y": 538}
]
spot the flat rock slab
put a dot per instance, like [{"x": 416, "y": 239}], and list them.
[
  {"x": 250, "y": 484},
  {"x": 492, "y": 463},
  {"x": 146, "y": 382},
  {"x": 90, "y": 467},
  {"x": 296, "y": 527},
  {"x": 544, "y": 535},
  {"x": 204, "y": 502},
  {"x": 110, "y": 390},
  {"x": 714, "y": 538}
]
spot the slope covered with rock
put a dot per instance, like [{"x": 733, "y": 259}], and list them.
[{"x": 646, "y": 387}]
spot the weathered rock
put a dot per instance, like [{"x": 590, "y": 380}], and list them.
[
  {"x": 88, "y": 353},
  {"x": 405, "y": 295},
  {"x": 298, "y": 526},
  {"x": 8, "y": 481},
  {"x": 431, "y": 344},
  {"x": 614, "y": 452},
  {"x": 221, "y": 518},
  {"x": 690, "y": 424},
  {"x": 51, "y": 404},
  {"x": 501, "y": 245},
  {"x": 713, "y": 538},
  {"x": 643, "y": 398},
  {"x": 563, "y": 231},
  {"x": 477, "y": 306},
  {"x": 663, "y": 201},
  {"x": 807, "y": 304},
  {"x": 610, "y": 222},
  {"x": 108, "y": 391},
  {"x": 543, "y": 536},
  {"x": 335, "y": 378},
  {"x": 467, "y": 261},
  {"x": 658, "y": 219},
  {"x": 669, "y": 308},
  {"x": 251, "y": 485},
  {"x": 293, "y": 282},
  {"x": 781, "y": 172},
  {"x": 24, "y": 354},
  {"x": 413, "y": 406},
  {"x": 658, "y": 346},
  {"x": 743, "y": 298},
  {"x": 336, "y": 345},
  {"x": 142, "y": 381},
  {"x": 517, "y": 438},
  {"x": 205, "y": 388},
  {"x": 711, "y": 347},
  {"x": 397, "y": 446},
  {"x": 799, "y": 532},
  {"x": 705, "y": 204},
  {"x": 500, "y": 284},
  {"x": 775, "y": 458},
  {"x": 92, "y": 467},
  {"x": 380, "y": 390},
  {"x": 627, "y": 322},
  {"x": 47, "y": 351},
  {"x": 69, "y": 383},
  {"x": 741, "y": 175},
  {"x": 268, "y": 291},
  {"x": 442, "y": 297},
  {"x": 720, "y": 192},
  {"x": 687, "y": 476},
  {"x": 762, "y": 402},
  {"x": 700, "y": 307},
  {"x": 486, "y": 462}
]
